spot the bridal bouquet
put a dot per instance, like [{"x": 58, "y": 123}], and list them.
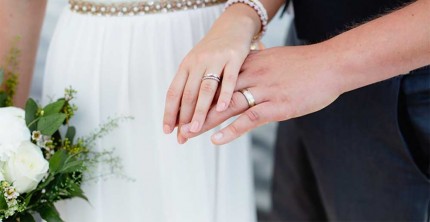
[{"x": 41, "y": 160}]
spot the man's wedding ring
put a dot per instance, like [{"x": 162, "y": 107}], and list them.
[
  {"x": 211, "y": 76},
  {"x": 249, "y": 97}
]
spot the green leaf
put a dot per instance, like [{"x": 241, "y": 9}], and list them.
[
  {"x": 54, "y": 108},
  {"x": 31, "y": 108},
  {"x": 72, "y": 166},
  {"x": 57, "y": 161},
  {"x": 3, "y": 204},
  {"x": 26, "y": 217},
  {"x": 46, "y": 182},
  {"x": 50, "y": 214},
  {"x": 1, "y": 76},
  {"x": 76, "y": 191},
  {"x": 70, "y": 134},
  {"x": 27, "y": 199},
  {"x": 47, "y": 125}
]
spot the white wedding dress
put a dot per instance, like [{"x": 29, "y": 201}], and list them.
[{"x": 123, "y": 65}]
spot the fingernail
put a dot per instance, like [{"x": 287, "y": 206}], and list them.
[
  {"x": 182, "y": 140},
  {"x": 195, "y": 127},
  {"x": 167, "y": 129},
  {"x": 217, "y": 137},
  {"x": 185, "y": 128},
  {"x": 220, "y": 107}
]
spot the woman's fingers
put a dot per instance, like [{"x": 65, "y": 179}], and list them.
[
  {"x": 189, "y": 100},
  {"x": 208, "y": 88},
  {"x": 231, "y": 72},
  {"x": 173, "y": 100}
]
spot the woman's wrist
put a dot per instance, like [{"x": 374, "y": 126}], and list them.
[
  {"x": 259, "y": 9},
  {"x": 244, "y": 16}
]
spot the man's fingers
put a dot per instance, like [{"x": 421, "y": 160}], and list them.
[
  {"x": 173, "y": 100},
  {"x": 247, "y": 121},
  {"x": 237, "y": 105}
]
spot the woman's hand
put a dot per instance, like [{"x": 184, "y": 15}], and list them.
[
  {"x": 286, "y": 82},
  {"x": 220, "y": 53}
]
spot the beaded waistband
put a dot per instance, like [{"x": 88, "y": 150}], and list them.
[{"x": 136, "y": 8}]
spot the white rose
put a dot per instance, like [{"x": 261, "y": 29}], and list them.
[
  {"x": 13, "y": 131},
  {"x": 26, "y": 168}
]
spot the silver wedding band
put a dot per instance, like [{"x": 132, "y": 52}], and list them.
[
  {"x": 211, "y": 76},
  {"x": 249, "y": 97}
]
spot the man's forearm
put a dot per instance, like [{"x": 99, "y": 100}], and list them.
[
  {"x": 383, "y": 48},
  {"x": 21, "y": 18}
]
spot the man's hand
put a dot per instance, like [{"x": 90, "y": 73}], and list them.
[
  {"x": 286, "y": 82},
  {"x": 294, "y": 81}
]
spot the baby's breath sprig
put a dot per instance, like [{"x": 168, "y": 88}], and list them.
[
  {"x": 104, "y": 129},
  {"x": 10, "y": 197}
]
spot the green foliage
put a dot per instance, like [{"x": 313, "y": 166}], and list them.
[
  {"x": 57, "y": 161},
  {"x": 26, "y": 217},
  {"x": 3, "y": 204},
  {"x": 49, "y": 213},
  {"x": 3, "y": 99},
  {"x": 71, "y": 133},
  {"x": 76, "y": 191},
  {"x": 70, "y": 159},
  {"x": 54, "y": 108},
  {"x": 48, "y": 125},
  {"x": 31, "y": 109}
]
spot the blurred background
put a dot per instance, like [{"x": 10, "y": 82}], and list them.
[{"x": 262, "y": 138}]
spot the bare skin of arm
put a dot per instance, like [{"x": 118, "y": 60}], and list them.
[
  {"x": 289, "y": 82},
  {"x": 22, "y": 18}
]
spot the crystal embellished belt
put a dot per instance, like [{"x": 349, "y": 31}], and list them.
[{"x": 136, "y": 8}]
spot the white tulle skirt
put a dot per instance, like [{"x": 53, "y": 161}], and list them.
[{"x": 123, "y": 66}]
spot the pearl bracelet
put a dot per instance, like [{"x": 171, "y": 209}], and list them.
[{"x": 259, "y": 9}]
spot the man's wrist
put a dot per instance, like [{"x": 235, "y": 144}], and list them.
[{"x": 347, "y": 69}]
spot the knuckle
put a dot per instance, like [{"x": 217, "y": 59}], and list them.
[
  {"x": 234, "y": 103},
  {"x": 186, "y": 62},
  {"x": 202, "y": 57},
  {"x": 231, "y": 78},
  {"x": 188, "y": 96},
  {"x": 200, "y": 112},
  {"x": 225, "y": 95},
  {"x": 261, "y": 71},
  {"x": 172, "y": 93},
  {"x": 184, "y": 65},
  {"x": 169, "y": 120},
  {"x": 252, "y": 115},
  {"x": 232, "y": 53},
  {"x": 234, "y": 129},
  {"x": 207, "y": 88},
  {"x": 287, "y": 112},
  {"x": 189, "y": 58}
]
